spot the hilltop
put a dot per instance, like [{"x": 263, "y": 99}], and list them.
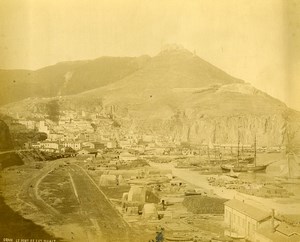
[{"x": 175, "y": 93}]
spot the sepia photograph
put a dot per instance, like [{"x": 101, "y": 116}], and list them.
[{"x": 150, "y": 121}]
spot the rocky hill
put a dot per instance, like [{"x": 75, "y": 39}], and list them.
[{"x": 178, "y": 94}]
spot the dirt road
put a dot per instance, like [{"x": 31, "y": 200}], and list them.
[
  {"x": 96, "y": 220},
  {"x": 97, "y": 210},
  {"x": 30, "y": 188}
]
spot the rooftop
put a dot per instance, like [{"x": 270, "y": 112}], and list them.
[
  {"x": 282, "y": 233},
  {"x": 290, "y": 218},
  {"x": 247, "y": 210},
  {"x": 288, "y": 230}
]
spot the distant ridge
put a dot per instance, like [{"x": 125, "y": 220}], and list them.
[
  {"x": 174, "y": 66},
  {"x": 66, "y": 78}
]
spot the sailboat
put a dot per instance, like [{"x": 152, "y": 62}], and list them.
[
  {"x": 289, "y": 171},
  {"x": 238, "y": 167}
]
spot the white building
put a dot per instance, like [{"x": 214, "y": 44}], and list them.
[
  {"x": 43, "y": 127},
  {"x": 111, "y": 144},
  {"x": 72, "y": 144},
  {"x": 49, "y": 146},
  {"x": 126, "y": 156},
  {"x": 243, "y": 219},
  {"x": 29, "y": 124},
  {"x": 137, "y": 194},
  {"x": 55, "y": 136}
]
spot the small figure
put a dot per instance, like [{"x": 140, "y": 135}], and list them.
[{"x": 160, "y": 235}]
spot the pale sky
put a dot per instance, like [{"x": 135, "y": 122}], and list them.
[{"x": 254, "y": 40}]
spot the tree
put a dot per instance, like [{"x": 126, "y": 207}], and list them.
[
  {"x": 39, "y": 136},
  {"x": 52, "y": 109}
]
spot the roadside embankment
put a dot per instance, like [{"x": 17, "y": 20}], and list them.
[{"x": 10, "y": 159}]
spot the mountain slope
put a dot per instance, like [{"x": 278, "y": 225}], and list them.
[
  {"x": 171, "y": 68},
  {"x": 66, "y": 78},
  {"x": 176, "y": 79},
  {"x": 175, "y": 94}
]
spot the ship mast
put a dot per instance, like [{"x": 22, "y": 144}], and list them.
[
  {"x": 208, "y": 152},
  {"x": 255, "y": 150},
  {"x": 238, "y": 151},
  {"x": 289, "y": 164}
]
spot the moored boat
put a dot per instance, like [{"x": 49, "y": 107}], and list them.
[
  {"x": 243, "y": 168},
  {"x": 240, "y": 167}
]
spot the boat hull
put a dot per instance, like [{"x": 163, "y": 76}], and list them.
[{"x": 244, "y": 168}]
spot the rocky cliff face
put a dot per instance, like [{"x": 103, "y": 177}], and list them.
[
  {"x": 178, "y": 95},
  {"x": 5, "y": 139},
  {"x": 268, "y": 129}
]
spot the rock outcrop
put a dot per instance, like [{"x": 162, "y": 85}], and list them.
[
  {"x": 178, "y": 95},
  {"x": 268, "y": 129}
]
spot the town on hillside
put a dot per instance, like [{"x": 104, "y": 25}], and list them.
[{"x": 170, "y": 188}]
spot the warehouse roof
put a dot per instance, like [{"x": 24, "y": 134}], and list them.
[{"x": 247, "y": 210}]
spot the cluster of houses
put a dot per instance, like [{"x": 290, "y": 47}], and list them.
[
  {"x": 81, "y": 136},
  {"x": 76, "y": 128}
]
